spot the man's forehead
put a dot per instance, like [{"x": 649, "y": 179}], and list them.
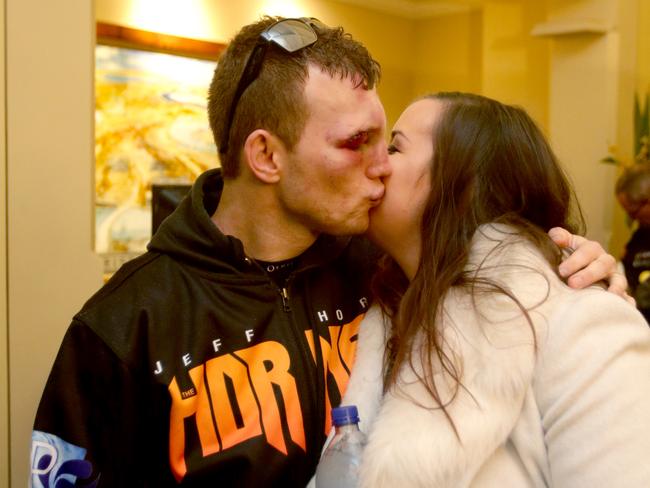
[
  {"x": 318, "y": 79},
  {"x": 344, "y": 100}
]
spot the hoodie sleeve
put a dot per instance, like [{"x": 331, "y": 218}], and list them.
[{"x": 90, "y": 425}]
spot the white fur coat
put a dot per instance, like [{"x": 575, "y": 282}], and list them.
[{"x": 567, "y": 406}]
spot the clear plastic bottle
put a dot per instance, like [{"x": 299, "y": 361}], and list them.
[{"x": 339, "y": 465}]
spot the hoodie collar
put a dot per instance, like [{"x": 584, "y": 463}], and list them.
[{"x": 189, "y": 235}]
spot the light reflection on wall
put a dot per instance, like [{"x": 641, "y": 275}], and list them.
[
  {"x": 285, "y": 8},
  {"x": 185, "y": 18},
  {"x": 216, "y": 20}
]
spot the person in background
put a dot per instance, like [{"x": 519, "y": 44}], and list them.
[
  {"x": 215, "y": 357},
  {"x": 633, "y": 193},
  {"x": 480, "y": 367}
]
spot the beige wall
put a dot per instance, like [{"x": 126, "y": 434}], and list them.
[
  {"x": 634, "y": 25},
  {"x": 515, "y": 64},
  {"x": 580, "y": 114},
  {"x": 643, "y": 46},
  {"x": 487, "y": 50},
  {"x": 448, "y": 53},
  {"x": 4, "y": 351},
  {"x": 52, "y": 269},
  {"x": 589, "y": 86},
  {"x": 389, "y": 39}
]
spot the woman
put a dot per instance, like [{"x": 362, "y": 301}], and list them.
[{"x": 488, "y": 370}]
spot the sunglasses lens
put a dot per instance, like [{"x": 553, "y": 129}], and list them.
[{"x": 292, "y": 35}]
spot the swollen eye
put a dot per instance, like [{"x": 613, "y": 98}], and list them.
[{"x": 356, "y": 141}]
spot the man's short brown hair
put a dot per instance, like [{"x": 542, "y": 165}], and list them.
[{"x": 275, "y": 101}]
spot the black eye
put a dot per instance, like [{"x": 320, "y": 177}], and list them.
[
  {"x": 356, "y": 141},
  {"x": 392, "y": 149}
]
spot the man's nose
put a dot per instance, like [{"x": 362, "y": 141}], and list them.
[{"x": 380, "y": 164}]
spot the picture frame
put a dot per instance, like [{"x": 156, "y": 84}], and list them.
[
  {"x": 128, "y": 37},
  {"x": 151, "y": 128}
]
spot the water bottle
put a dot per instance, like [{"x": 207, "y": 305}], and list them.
[{"x": 339, "y": 466}]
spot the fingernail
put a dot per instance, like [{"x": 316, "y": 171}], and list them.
[
  {"x": 554, "y": 233},
  {"x": 563, "y": 271},
  {"x": 577, "y": 282}
]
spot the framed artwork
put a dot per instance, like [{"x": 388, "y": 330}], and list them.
[{"x": 151, "y": 128}]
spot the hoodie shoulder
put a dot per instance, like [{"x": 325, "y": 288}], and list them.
[{"x": 123, "y": 276}]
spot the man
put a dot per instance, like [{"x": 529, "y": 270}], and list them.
[
  {"x": 216, "y": 356},
  {"x": 633, "y": 193}
]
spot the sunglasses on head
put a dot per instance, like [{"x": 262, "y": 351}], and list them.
[{"x": 291, "y": 35}]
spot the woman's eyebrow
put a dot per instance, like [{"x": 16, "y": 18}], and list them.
[{"x": 395, "y": 133}]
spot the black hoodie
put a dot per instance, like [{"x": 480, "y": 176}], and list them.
[{"x": 192, "y": 366}]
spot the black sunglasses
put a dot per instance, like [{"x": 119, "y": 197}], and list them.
[{"x": 291, "y": 35}]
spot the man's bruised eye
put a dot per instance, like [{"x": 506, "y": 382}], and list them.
[{"x": 356, "y": 141}]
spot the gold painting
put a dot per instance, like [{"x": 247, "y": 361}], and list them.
[{"x": 151, "y": 127}]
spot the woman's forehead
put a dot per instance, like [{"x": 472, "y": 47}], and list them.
[{"x": 419, "y": 117}]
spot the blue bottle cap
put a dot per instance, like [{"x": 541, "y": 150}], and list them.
[{"x": 345, "y": 415}]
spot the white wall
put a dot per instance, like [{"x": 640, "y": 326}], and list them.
[{"x": 52, "y": 270}]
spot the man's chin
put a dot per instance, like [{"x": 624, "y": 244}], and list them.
[{"x": 350, "y": 228}]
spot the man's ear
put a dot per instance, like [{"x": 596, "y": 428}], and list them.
[{"x": 263, "y": 152}]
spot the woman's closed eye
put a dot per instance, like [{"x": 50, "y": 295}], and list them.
[{"x": 392, "y": 149}]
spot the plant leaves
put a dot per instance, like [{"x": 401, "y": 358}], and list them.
[{"x": 641, "y": 121}]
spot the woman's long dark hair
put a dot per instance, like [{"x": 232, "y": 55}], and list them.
[{"x": 491, "y": 163}]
